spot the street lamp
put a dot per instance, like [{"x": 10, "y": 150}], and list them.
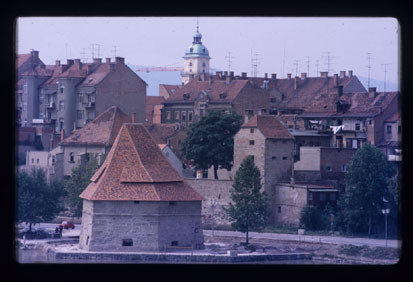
[{"x": 385, "y": 212}]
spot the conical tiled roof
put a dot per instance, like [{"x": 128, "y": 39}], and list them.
[{"x": 136, "y": 170}]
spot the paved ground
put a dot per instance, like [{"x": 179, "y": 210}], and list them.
[{"x": 309, "y": 238}]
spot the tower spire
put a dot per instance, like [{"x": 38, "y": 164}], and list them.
[{"x": 197, "y": 24}]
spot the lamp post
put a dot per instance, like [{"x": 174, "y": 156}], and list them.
[
  {"x": 385, "y": 212},
  {"x": 213, "y": 205}
]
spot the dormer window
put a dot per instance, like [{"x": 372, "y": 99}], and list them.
[
  {"x": 186, "y": 96},
  {"x": 222, "y": 96}
]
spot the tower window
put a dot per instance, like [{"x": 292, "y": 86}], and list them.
[
  {"x": 127, "y": 242},
  {"x": 191, "y": 50},
  {"x": 203, "y": 64},
  {"x": 190, "y": 64},
  {"x": 252, "y": 142}
]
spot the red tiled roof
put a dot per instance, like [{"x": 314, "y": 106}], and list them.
[
  {"x": 394, "y": 117},
  {"x": 269, "y": 126},
  {"x": 161, "y": 132},
  {"x": 361, "y": 104},
  {"x": 100, "y": 131},
  {"x": 22, "y": 58},
  {"x": 136, "y": 170},
  {"x": 171, "y": 89},
  {"x": 154, "y": 100},
  {"x": 213, "y": 90}
]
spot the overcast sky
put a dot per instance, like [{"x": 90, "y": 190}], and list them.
[{"x": 280, "y": 45}]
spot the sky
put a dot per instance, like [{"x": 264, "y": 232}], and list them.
[{"x": 278, "y": 45}]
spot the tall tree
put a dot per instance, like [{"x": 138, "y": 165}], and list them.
[
  {"x": 367, "y": 181},
  {"x": 249, "y": 208},
  {"x": 210, "y": 142},
  {"x": 78, "y": 182},
  {"x": 37, "y": 200}
]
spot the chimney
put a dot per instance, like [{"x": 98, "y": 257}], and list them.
[
  {"x": 335, "y": 79},
  {"x": 289, "y": 75},
  {"x": 372, "y": 92},
  {"x": 69, "y": 62},
  {"x": 107, "y": 60},
  {"x": 303, "y": 75},
  {"x": 243, "y": 75},
  {"x": 340, "y": 90},
  {"x": 324, "y": 74},
  {"x": 219, "y": 74},
  {"x": 228, "y": 79},
  {"x": 88, "y": 69},
  {"x": 120, "y": 60},
  {"x": 35, "y": 54},
  {"x": 342, "y": 74},
  {"x": 225, "y": 73},
  {"x": 57, "y": 63},
  {"x": 273, "y": 76},
  {"x": 350, "y": 73},
  {"x": 97, "y": 60},
  {"x": 296, "y": 82},
  {"x": 62, "y": 135},
  {"x": 231, "y": 74},
  {"x": 133, "y": 117},
  {"x": 266, "y": 75}
]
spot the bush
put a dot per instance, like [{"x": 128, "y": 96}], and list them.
[
  {"x": 312, "y": 218},
  {"x": 351, "y": 250}
]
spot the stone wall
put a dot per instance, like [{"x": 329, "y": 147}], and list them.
[
  {"x": 288, "y": 203},
  {"x": 217, "y": 195},
  {"x": 149, "y": 225}
]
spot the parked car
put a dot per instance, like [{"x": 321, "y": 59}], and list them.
[{"x": 67, "y": 225}]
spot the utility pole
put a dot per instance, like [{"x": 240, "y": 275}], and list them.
[
  {"x": 368, "y": 69},
  {"x": 114, "y": 48},
  {"x": 229, "y": 60},
  {"x": 83, "y": 53},
  {"x": 296, "y": 67},
  {"x": 254, "y": 64},
  {"x": 385, "y": 71}
]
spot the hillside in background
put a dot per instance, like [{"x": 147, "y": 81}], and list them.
[
  {"x": 153, "y": 79},
  {"x": 379, "y": 84}
]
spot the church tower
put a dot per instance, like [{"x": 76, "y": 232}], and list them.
[{"x": 196, "y": 59}]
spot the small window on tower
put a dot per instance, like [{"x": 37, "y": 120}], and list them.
[{"x": 191, "y": 50}]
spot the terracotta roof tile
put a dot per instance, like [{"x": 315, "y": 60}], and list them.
[
  {"x": 161, "y": 132},
  {"x": 136, "y": 170},
  {"x": 213, "y": 90},
  {"x": 269, "y": 126},
  {"x": 100, "y": 131}
]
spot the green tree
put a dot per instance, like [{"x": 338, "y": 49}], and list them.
[
  {"x": 210, "y": 141},
  {"x": 78, "y": 182},
  {"x": 249, "y": 208},
  {"x": 367, "y": 181},
  {"x": 37, "y": 200}
]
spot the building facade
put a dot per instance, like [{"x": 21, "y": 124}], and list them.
[
  {"x": 68, "y": 96},
  {"x": 271, "y": 146}
]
